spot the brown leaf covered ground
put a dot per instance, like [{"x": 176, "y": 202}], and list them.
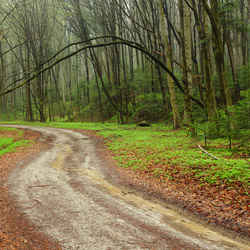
[
  {"x": 16, "y": 233},
  {"x": 215, "y": 205},
  {"x": 228, "y": 209}
]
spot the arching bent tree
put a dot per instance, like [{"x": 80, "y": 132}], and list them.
[{"x": 114, "y": 41}]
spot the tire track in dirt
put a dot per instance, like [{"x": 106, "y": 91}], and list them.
[{"x": 64, "y": 192}]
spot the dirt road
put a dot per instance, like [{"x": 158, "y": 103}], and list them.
[{"x": 66, "y": 194}]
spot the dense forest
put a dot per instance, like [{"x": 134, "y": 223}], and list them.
[{"x": 181, "y": 62}]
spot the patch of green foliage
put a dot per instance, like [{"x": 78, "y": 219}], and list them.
[
  {"x": 160, "y": 147},
  {"x": 5, "y": 142},
  {"x": 169, "y": 154},
  {"x": 7, "y": 145},
  {"x": 149, "y": 107},
  {"x": 8, "y": 129},
  {"x": 66, "y": 125},
  {"x": 20, "y": 132}
]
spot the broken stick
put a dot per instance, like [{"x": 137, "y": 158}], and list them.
[
  {"x": 208, "y": 153},
  {"x": 39, "y": 186}
]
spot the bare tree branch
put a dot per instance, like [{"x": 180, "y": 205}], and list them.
[{"x": 124, "y": 42}]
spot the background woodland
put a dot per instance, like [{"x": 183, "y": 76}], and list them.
[{"x": 181, "y": 62}]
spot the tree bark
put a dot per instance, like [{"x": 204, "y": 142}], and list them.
[
  {"x": 213, "y": 14},
  {"x": 186, "y": 47},
  {"x": 172, "y": 93},
  {"x": 210, "y": 93}
]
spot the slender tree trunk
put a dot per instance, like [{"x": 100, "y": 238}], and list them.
[
  {"x": 185, "y": 21},
  {"x": 172, "y": 93},
  {"x": 233, "y": 66},
  {"x": 163, "y": 92},
  {"x": 210, "y": 93},
  {"x": 29, "y": 115},
  {"x": 99, "y": 97},
  {"x": 218, "y": 49}
]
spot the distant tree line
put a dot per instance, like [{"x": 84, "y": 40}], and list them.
[{"x": 179, "y": 61}]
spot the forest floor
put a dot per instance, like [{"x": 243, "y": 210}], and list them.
[
  {"x": 16, "y": 232},
  {"x": 216, "y": 205},
  {"x": 226, "y": 206}
]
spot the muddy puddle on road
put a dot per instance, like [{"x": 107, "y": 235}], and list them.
[
  {"x": 168, "y": 216},
  {"x": 57, "y": 164}
]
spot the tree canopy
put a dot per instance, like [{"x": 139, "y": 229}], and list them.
[{"x": 177, "y": 61}]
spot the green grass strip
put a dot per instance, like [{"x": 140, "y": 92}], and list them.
[
  {"x": 4, "y": 129},
  {"x": 5, "y": 142},
  {"x": 12, "y": 147},
  {"x": 169, "y": 154}
]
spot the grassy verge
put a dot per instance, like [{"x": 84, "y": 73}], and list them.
[
  {"x": 10, "y": 140},
  {"x": 13, "y": 130},
  {"x": 174, "y": 155},
  {"x": 170, "y": 155}
]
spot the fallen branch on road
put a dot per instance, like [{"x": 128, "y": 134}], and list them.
[
  {"x": 37, "y": 200},
  {"x": 39, "y": 186}
]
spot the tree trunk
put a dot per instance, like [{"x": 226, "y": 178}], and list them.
[
  {"x": 218, "y": 49},
  {"x": 185, "y": 21},
  {"x": 172, "y": 93},
  {"x": 210, "y": 94}
]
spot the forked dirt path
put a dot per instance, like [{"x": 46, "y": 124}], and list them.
[{"x": 70, "y": 195}]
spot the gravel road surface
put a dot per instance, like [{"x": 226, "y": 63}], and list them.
[{"x": 65, "y": 193}]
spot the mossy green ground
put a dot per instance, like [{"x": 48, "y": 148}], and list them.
[
  {"x": 168, "y": 154},
  {"x": 10, "y": 144}
]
